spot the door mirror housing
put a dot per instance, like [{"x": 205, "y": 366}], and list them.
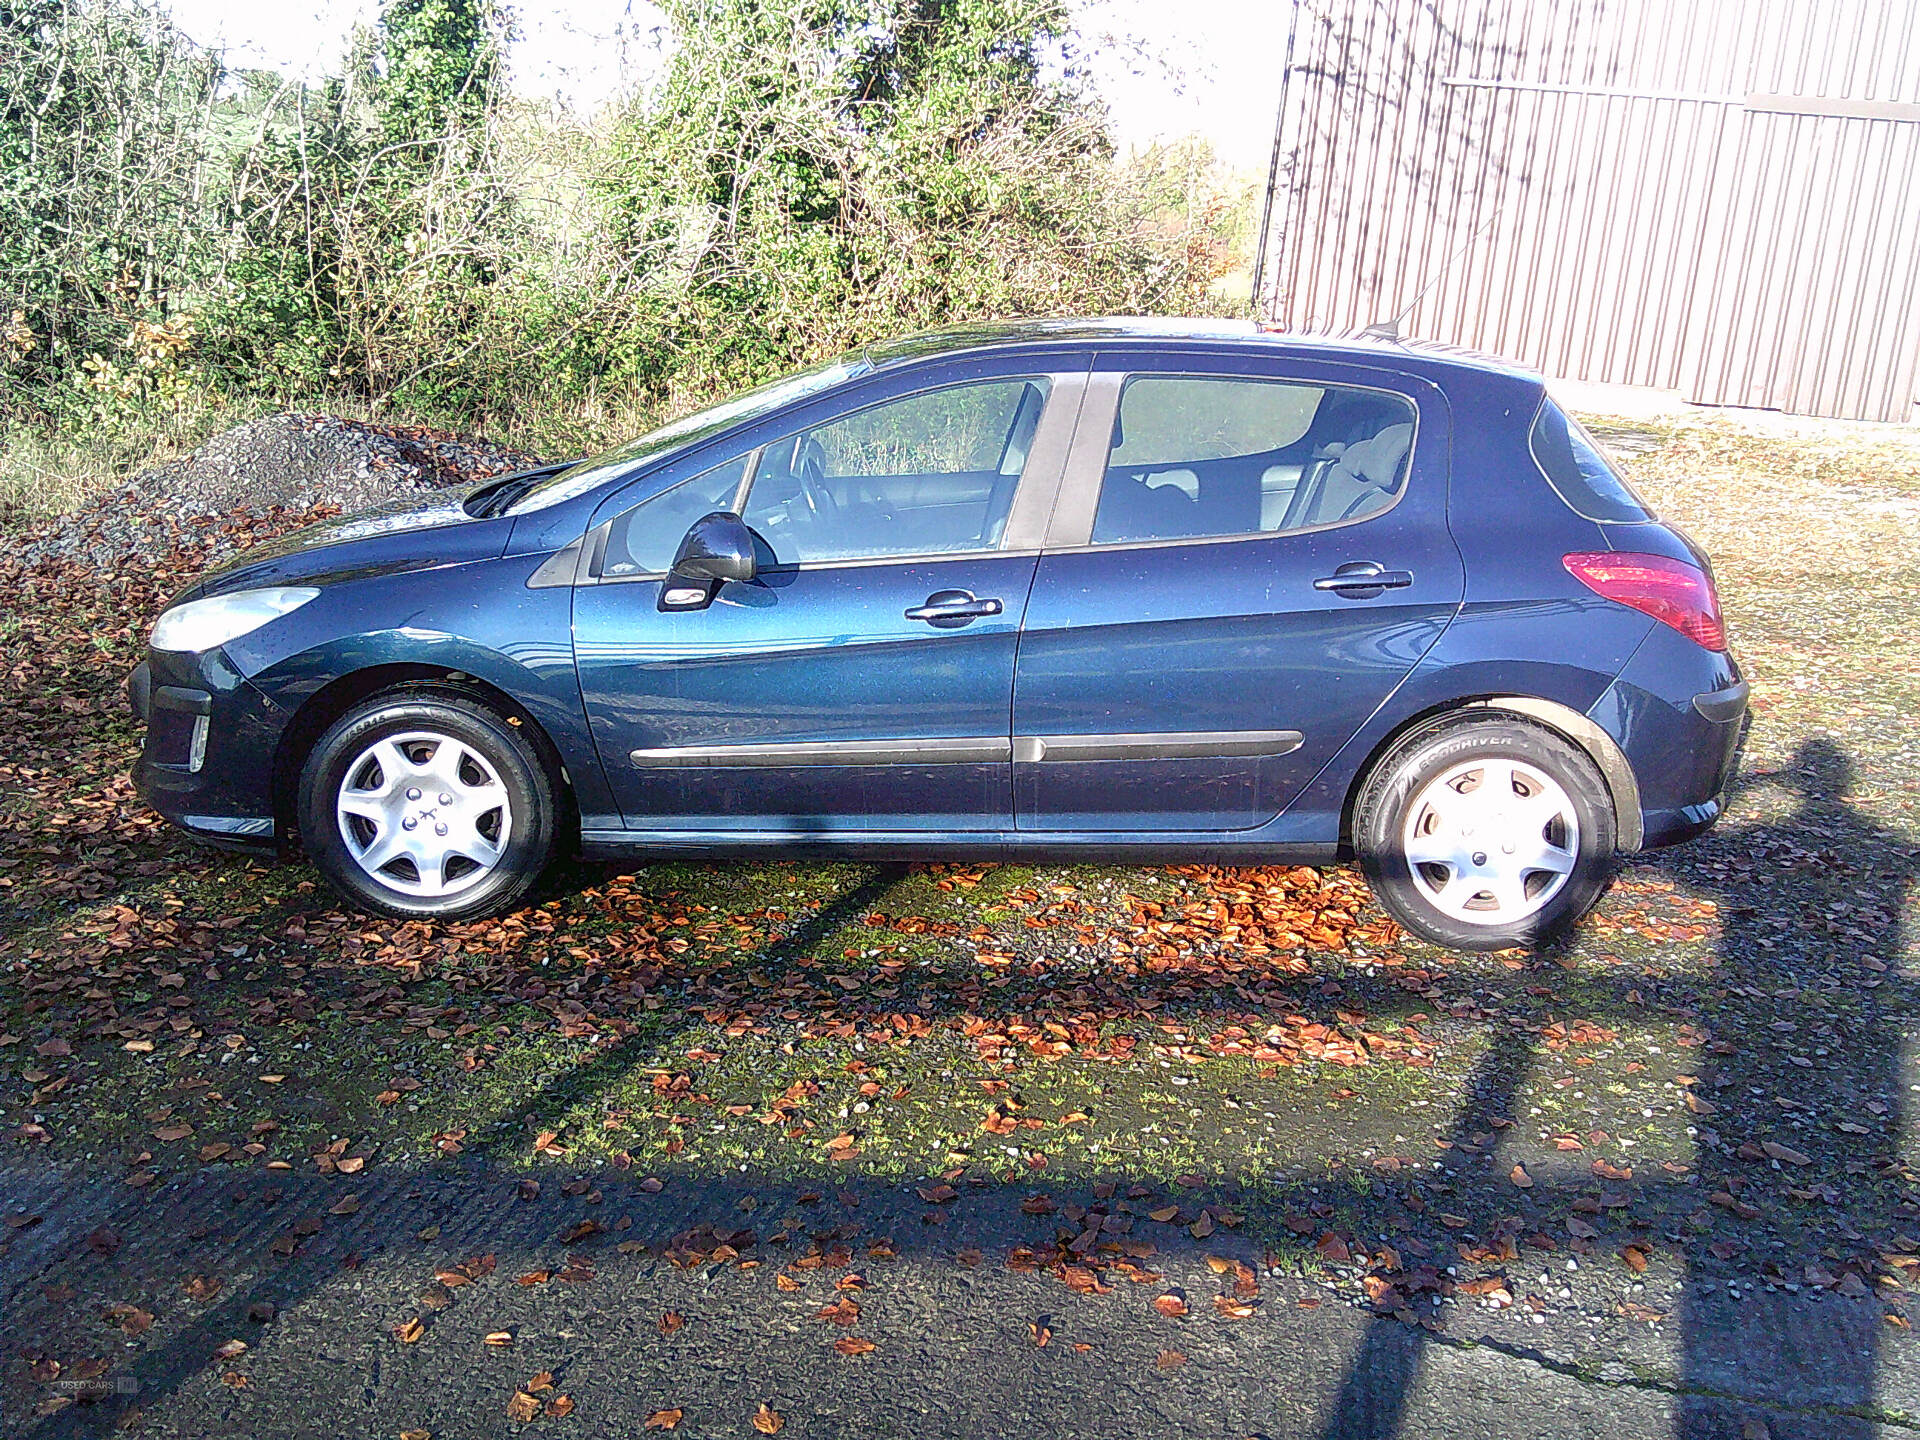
[{"x": 718, "y": 547}]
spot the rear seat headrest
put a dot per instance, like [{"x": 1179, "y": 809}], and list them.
[{"x": 1377, "y": 460}]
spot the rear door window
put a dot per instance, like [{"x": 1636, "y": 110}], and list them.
[
  {"x": 1580, "y": 472},
  {"x": 1208, "y": 457}
]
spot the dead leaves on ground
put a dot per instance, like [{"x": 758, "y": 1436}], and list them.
[
  {"x": 525, "y": 1404},
  {"x": 844, "y": 1311}
]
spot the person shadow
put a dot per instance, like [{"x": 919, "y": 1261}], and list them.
[
  {"x": 1799, "y": 1015},
  {"x": 1815, "y": 908}
]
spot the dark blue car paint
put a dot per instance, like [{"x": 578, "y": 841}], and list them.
[
  {"x": 1205, "y": 637},
  {"x": 1227, "y": 635},
  {"x": 804, "y": 655}
]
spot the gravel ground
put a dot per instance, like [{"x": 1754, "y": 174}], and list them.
[{"x": 295, "y": 465}]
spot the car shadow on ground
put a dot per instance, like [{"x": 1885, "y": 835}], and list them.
[{"x": 1786, "y": 955}]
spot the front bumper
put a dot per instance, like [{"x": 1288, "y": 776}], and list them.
[
  {"x": 1679, "y": 715},
  {"x": 206, "y": 762}
]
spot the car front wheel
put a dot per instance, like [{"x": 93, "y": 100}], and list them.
[
  {"x": 1486, "y": 831},
  {"x": 427, "y": 806}
]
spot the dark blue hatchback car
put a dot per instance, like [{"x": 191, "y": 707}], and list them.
[{"x": 1079, "y": 589}]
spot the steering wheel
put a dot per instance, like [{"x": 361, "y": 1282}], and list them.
[{"x": 809, "y": 468}]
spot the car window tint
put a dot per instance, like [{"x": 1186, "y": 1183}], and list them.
[
  {"x": 644, "y": 540},
  {"x": 1199, "y": 457},
  {"x": 1579, "y": 471},
  {"x": 926, "y": 474}
]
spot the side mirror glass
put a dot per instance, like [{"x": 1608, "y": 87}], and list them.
[{"x": 718, "y": 547}]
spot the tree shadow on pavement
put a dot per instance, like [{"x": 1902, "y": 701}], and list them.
[{"x": 161, "y": 1371}]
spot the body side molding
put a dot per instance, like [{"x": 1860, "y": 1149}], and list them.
[
  {"x": 980, "y": 749},
  {"x": 1157, "y": 745}
]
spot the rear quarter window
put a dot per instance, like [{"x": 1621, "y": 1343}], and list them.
[{"x": 1580, "y": 472}]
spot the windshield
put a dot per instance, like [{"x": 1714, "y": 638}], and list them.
[{"x": 686, "y": 431}]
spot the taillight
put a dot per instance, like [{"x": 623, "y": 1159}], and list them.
[{"x": 1671, "y": 591}]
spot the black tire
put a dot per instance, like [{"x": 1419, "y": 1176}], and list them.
[
  {"x": 522, "y": 773},
  {"x": 1402, "y": 778}
]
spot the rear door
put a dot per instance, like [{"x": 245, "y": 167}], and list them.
[{"x": 1249, "y": 553}]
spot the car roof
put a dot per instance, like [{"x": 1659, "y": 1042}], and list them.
[{"x": 1129, "y": 332}]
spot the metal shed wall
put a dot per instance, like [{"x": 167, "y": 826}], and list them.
[{"x": 1720, "y": 197}]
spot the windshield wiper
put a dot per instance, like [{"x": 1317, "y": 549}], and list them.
[{"x": 498, "y": 494}]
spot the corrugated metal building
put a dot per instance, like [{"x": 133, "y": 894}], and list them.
[{"x": 1719, "y": 197}]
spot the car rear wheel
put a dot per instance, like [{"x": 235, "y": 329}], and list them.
[
  {"x": 1485, "y": 831},
  {"x": 427, "y": 806}
]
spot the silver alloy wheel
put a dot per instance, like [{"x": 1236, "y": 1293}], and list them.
[
  {"x": 424, "y": 814},
  {"x": 1491, "y": 841}
]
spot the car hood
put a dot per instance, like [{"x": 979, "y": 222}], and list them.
[{"x": 412, "y": 533}]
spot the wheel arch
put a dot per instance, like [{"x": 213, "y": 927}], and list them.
[
  {"x": 340, "y": 695},
  {"x": 1568, "y": 723}
]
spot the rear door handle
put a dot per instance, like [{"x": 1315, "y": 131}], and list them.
[
  {"x": 1363, "y": 579},
  {"x": 947, "y": 609}
]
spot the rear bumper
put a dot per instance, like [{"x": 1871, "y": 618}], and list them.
[
  {"x": 206, "y": 762},
  {"x": 1679, "y": 715}
]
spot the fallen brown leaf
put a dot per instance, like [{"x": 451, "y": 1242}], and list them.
[{"x": 844, "y": 1311}]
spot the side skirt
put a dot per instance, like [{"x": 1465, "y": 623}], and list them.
[{"x": 1074, "y": 848}]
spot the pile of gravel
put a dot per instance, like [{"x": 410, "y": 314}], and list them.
[{"x": 270, "y": 472}]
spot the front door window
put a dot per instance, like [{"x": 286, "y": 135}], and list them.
[{"x": 928, "y": 474}]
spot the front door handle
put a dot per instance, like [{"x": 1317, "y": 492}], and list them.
[
  {"x": 949, "y": 609},
  {"x": 1363, "y": 579}
]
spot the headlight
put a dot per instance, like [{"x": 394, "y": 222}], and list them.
[{"x": 202, "y": 624}]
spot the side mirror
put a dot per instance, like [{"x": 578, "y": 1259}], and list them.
[{"x": 718, "y": 547}]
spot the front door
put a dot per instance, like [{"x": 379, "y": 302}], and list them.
[
  {"x": 863, "y": 682},
  {"x": 1246, "y": 560}
]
